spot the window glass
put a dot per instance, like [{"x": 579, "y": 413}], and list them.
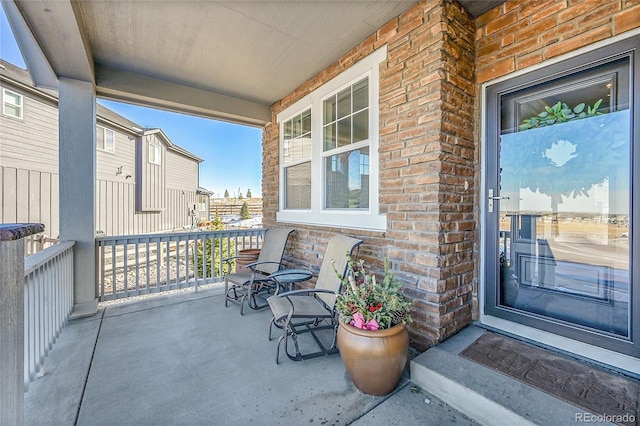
[
  {"x": 330, "y": 137},
  {"x": 297, "y": 138},
  {"x": 105, "y": 139},
  {"x": 12, "y": 104},
  {"x": 360, "y": 126},
  {"x": 361, "y": 95},
  {"x": 344, "y": 103},
  {"x": 298, "y": 186},
  {"x": 348, "y": 127},
  {"x": 109, "y": 140},
  {"x": 347, "y": 180},
  {"x": 155, "y": 156},
  {"x": 296, "y": 146}
]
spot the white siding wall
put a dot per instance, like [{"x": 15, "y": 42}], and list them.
[
  {"x": 29, "y": 164},
  {"x": 29, "y": 180}
]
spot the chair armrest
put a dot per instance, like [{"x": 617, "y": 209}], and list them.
[
  {"x": 254, "y": 264},
  {"x": 304, "y": 291}
]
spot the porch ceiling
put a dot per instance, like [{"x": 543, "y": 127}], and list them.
[{"x": 228, "y": 60}]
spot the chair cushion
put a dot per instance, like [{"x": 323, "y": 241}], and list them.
[{"x": 303, "y": 306}]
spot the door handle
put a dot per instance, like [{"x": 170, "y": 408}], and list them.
[{"x": 491, "y": 198}]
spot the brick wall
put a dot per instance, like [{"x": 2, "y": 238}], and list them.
[
  {"x": 426, "y": 165},
  {"x": 519, "y": 34}
]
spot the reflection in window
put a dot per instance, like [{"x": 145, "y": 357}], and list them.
[
  {"x": 564, "y": 157},
  {"x": 347, "y": 180}
]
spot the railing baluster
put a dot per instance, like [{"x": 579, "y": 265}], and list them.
[
  {"x": 138, "y": 267},
  {"x": 168, "y": 264},
  {"x": 48, "y": 300},
  {"x": 193, "y": 251}
]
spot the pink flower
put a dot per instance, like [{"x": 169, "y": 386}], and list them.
[{"x": 358, "y": 322}]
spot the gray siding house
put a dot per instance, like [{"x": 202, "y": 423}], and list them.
[{"x": 144, "y": 182}]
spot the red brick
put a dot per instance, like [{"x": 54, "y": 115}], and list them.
[
  {"x": 626, "y": 20},
  {"x": 498, "y": 69},
  {"x": 577, "y": 42},
  {"x": 501, "y": 23},
  {"x": 550, "y": 9}
]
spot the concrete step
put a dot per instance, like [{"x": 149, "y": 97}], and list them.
[{"x": 486, "y": 396}]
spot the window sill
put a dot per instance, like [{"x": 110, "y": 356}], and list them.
[{"x": 342, "y": 219}]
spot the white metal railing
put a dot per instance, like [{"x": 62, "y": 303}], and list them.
[
  {"x": 48, "y": 301},
  {"x": 134, "y": 265}
]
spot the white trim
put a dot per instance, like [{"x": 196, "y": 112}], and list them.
[
  {"x": 601, "y": 355},
  {"x": 19, "y": 107},
  {"x": 370, "y": 218}
]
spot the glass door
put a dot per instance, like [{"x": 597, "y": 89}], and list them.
[{"x": 559, "y": 203}]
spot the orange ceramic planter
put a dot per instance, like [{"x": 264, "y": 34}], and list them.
[{"x": 376, "y": 359}]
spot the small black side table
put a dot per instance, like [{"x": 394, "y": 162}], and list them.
[{"x": 289, "y": 277}]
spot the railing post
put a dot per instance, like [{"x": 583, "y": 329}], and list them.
[{"x": 12, "y": 320}]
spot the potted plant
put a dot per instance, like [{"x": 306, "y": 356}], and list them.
[{"x": 372, "y": 334}]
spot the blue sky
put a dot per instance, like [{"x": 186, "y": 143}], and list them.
[{"x": 232, "y": 153}]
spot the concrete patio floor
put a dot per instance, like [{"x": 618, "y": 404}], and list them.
[{"x": 185, "y": 359}]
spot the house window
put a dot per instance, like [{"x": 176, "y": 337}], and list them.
[
  {"x": 105, "y": 139},
  {"x": 11, "y": 104},
  {"x": 329, "y": 152},
  {"x": 296, "y": 160},
  {"x": 155, "y": 154},
  {"x": 346, "y": 147},
  {"x": 202, "y": 203}
]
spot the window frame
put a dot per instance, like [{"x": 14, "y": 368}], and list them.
[
  {"x": 19, "y": 107},
  {"x": 357, "y": 218},
  {"x": 104, "y": 138}
]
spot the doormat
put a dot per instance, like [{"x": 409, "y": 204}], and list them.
[{"x": 595, "y": 390}]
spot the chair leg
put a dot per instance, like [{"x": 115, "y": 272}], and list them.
[{"x": 242, "y": 304}]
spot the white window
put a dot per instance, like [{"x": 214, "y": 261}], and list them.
[
  {"x": 11, "y": 103},
  {"x": 296, "y": 160},
  {"x": 329, "y": 152},
  {"x": 202, "y": 203},
  {"x": 105, "y": 139},
  {"x": 155, "y": 154}
]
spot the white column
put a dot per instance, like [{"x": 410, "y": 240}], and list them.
[{"x": 77, "y": 108}]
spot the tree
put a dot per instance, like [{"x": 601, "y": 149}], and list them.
[
  {"x": 244, "y": 211},
  {"x": 248, "y": 193},
  {"x": 226, "y": 193},
  {"x": 219, "y": 247}
]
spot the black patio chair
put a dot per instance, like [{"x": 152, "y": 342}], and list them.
[
  {"x": 253, "y": 284},
  {"x": 312, "y": 310}
]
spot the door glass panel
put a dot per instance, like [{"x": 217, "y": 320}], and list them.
[{"x": 564, "y": 200}]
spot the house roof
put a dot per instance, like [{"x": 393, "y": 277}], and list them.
[
  {"x": 170, "y": 145},
  {"x": 20, "y": 77},
  {"x": 228, "y": 60},
  {"x": 204, "y": 191}
]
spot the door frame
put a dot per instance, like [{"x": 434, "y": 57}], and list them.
[{"x": 564, "y": 343}]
